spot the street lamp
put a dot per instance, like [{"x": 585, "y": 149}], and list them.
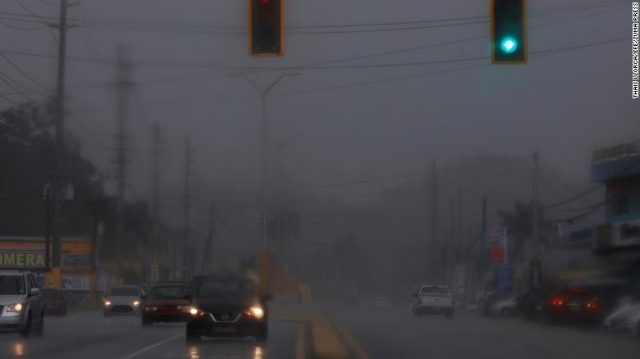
[
  {"x": 282, "y": 187},
  {"x": 264, "y": 92}
]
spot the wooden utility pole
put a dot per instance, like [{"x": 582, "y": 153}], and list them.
[
  {"x": 434, "y": 221},
  {"x": 155, "y": 206},
  {"x": 534, "y": 207},
  {"x": 209, "y": 242},
  {"x": 535, "y": 263},
  {"x": 123, "y": 85},
  {"x": 187, "y": 254},
  {"x": 57, "y": 180}
]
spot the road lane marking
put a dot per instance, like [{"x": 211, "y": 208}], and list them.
[
  {"x": 157, "y": 344},
  {"x": 352, "y": 343},
  {"x": 301, "y": 350}
]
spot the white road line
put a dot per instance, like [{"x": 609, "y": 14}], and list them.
[{"x": 147, "y": 348}]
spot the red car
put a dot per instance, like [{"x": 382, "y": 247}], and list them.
[{"x": 166, "y": 302}]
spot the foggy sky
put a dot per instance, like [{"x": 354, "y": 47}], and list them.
[{"x": 562, "y": 105}]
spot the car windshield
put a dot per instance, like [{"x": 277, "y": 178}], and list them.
[
  {"x": 166, "y": 292},
  {"x": 434, "y": 290},
  {"x": 12, "y": 284},
  {"x": 123, "y": 292},
  {"x": 225, "y": 289}
]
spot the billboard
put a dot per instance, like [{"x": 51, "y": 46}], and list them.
[{"x": 29, "y": 253}]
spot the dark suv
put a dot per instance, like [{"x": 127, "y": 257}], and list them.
[{"x": 226, "y": 306}]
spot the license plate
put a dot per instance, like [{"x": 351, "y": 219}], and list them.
[{"x": 225, "y": 330}]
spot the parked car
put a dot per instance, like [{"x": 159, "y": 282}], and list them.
[
  {"x": 122, "y": 300},
  {"x": 21, "y": 304},
  {"x": 55, "y": 301},
  {"x": 166, "y": 302},
  {"x": 624, "y": 319},
  {"x": 505, "y": 307},
  {"x": 227, "y": 306},
  {"x": 490, "y": 299},
  {"x": 434, "y": 299}
]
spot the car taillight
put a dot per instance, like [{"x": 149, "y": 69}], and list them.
[
  {"x": 592, "y": 305},
  {"x": 557, "y": 301}
]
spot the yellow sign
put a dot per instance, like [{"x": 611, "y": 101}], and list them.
[{"x": 21, "y": 260}]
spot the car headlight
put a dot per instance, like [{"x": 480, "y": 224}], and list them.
[
  {"x": 256, "y": 311},
  {"x": 195, "y": 311},
  {"x": 150, "y": 309},
  {"x": 107, "y": 303},
  {"x": 15, "y": 308},
  {"x": 136, "y": 303}
]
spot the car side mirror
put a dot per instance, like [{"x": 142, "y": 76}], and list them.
[
  {"x": 266, "y": 297},
  {"x": 34, "y": 291}
]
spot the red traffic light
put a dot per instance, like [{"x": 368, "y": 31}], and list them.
[{"x": 265, "y": 27}]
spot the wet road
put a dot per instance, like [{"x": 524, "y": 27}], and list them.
[
  {"x": 90, "y": 335},
  {"x": 395, "y": 333}
]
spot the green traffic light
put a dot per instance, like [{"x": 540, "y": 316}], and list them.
[{"x": 508, "y": 45}]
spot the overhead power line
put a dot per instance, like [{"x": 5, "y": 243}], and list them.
[
  {"x": 26, "y": 75},
  {"x": 623, "y": 171},
  {"x": 445, "y": 71},
  {"x": 365, "y": 181},
  {"x": 137, "y": 25}
]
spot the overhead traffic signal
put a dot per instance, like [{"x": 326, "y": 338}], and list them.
[
  {"x": 265, "y": 27},
  {"x": 508, "y": 32}
]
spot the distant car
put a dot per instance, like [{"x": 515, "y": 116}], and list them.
[
  {"x": 122, "y": 300},
  {"x": 21, "y": 304},
  {"x": 434, "y": 299},
  {"x": 166, "y": 302},
  {"x": 55, "y": 302},
  {"x": 505, "y": 307},
  {"x": 381, "y": 302},
  {"x": 227, "y": 306},
  {"x": 625, "y": 319},
  {"x": 366, "y": 301}
]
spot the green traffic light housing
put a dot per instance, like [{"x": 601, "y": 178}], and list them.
[{"x": 508, "y": 32}]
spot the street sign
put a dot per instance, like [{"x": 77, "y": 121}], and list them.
[{"x": 503, "y": 278}]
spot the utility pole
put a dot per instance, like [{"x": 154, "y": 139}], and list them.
[
  {"x": 212, "y": 230},
  {"x": 155, "y": 207},
  {"x": 48, "y": 201},
  {"x": 534, "y": 207},
  {"x": 483, "y": 235},
  {"x": 449, "y": 246},
  {"x": 459, "y": 221},
  {"x": 536, "y": 265},
  {"x": 186, "y": 243},
  {"x": 434, "y": 219},
  {"x": 56, "y": 188},
  {"x": 123, "y": 85}
]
